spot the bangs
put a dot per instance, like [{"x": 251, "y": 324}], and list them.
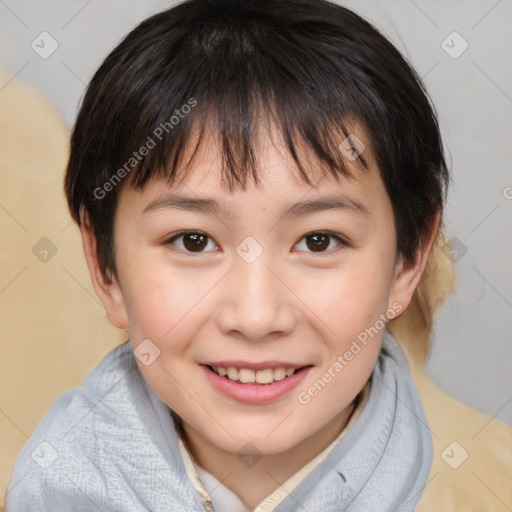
[{"x": 238, "y": 143}]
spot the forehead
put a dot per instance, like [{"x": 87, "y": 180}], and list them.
[{"x": 202, "y": 186}]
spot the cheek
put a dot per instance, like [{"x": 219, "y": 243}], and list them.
[
  {"x": 168, "y": 305},
  {"x": 349, "y": 300},
  {"x": 348, "y": 305},
  {"x": 155, "y": 298}
]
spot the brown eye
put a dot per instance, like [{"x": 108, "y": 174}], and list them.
[
  {"x": 191, "y": 241},
  {"x": 194, "y": 241},
  {"x": 320, "y": 242}
]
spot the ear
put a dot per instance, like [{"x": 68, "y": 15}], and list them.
[
  {"x": 106, "y": 287},
  {"x": 407, "y": 278}
]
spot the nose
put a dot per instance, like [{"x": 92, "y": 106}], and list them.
[{"x": 257, "y": 303}]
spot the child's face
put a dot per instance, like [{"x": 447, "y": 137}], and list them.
[{"x": 301, "y": 302}]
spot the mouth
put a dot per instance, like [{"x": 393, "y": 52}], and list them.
[
  {"x": 254, "y": 386},
  {"x": 263, "y": 377}
]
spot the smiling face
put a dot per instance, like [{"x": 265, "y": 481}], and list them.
[{"x": 283, "y": 276}]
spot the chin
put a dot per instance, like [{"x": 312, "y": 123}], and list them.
[{"x": 260, "y": 443}]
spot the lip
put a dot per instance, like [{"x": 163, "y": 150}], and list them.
[
  {"x": 253, "y": 366},
  {"x": 255, "y": 393}
]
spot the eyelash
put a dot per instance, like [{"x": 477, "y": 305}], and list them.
[{"x": 342, "y": 242}]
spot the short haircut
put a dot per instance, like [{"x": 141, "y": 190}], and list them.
[{"x": 311, "y": 66}]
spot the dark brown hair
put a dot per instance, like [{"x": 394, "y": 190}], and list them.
[{"x": 309, "y": 65}]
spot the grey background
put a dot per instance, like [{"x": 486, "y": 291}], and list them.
[{"x": 472, "y": 351}]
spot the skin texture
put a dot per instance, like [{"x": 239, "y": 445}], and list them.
[{"x": 293, "y": 303}]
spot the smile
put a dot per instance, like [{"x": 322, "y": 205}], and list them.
[
  {"x": 247, "y": 375},
  {"x": 254, "y": 386}
]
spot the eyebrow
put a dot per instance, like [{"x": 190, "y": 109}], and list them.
[{"x": 300, "y": 209}]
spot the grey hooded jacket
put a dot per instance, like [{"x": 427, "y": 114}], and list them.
[{"x": 111, "y": 446}]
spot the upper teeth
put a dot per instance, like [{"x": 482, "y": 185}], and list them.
[{"x": 246, "y": 375}]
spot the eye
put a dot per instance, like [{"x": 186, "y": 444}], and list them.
[
  {"x": 319, "y": 241},
  {"x": 197, "y": 242},
  {"x": 193, "y": 241}
]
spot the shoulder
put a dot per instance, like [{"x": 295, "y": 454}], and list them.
[
  {"x": 106, "y": 395},
  {"x": 66, "y": 451}
]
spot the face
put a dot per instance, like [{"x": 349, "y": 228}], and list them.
[{"x": 286, "y": 276}]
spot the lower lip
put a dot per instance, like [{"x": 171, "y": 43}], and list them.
[{"x": 255, "y": 393}]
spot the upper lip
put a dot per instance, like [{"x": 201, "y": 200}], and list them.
[{"x": 254, "y": 366}]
